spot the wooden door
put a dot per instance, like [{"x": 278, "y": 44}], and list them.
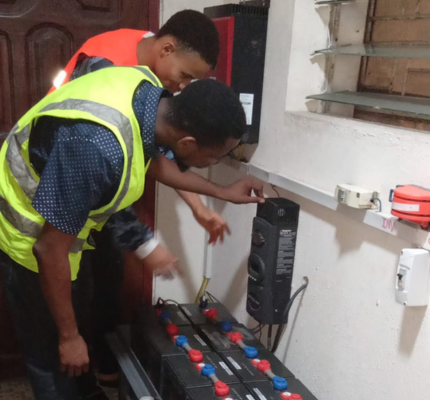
[{"x": 37, "y": 38}]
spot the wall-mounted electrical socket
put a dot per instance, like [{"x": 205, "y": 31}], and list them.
[{"x": 355, "y": 196}]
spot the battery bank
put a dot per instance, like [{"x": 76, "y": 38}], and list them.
[
  {"x": 177, "y": 317},
  {"x": 145, "y": 315},
  {"x": 265, "y": 391},
  {"x": 237, "y": 392},
  {"x": 180, "y": 375},
  {"x": 196, "y": 315},
  {"x": 151, "y": 342},
  {"x": 220, "y": 341},
  {"x": 246, "y": 368}
]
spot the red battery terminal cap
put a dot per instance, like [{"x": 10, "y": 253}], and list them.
[
  {"x": 158, "y": 312},
  {"x": 263, "y": 366},
  {"x": 236, "y": 337},
  {"x": 255, "y": 361},
  {"x": 196, "y": 356},
  {"x": 290, "y": 396},
  {"x": 211, "y": 313},
  {"x": 221, "y": 389},
  {"x": 200, "y": 366},
  {"x": 172, "y": 329}
]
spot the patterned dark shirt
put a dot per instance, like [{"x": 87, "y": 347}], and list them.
[
  {"x": 80, "y": 165},
  {"x": 124, "y": 227}
]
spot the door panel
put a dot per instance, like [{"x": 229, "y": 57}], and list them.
[
  {"x": 37, "y": 38},
  {"x": 46, "y": 49},
  {"x": 6, "y": 92}
]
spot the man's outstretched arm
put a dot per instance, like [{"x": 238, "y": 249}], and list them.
[{"x": 240, "y": 192}]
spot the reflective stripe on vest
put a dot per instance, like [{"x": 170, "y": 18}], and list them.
[
  {"x": 28, "y": 227},
  {"x": 86, "y": 99},
  {"x": 114, "y": 117}
]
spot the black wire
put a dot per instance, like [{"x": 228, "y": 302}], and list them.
[
  {"x": 213, "y": 297},
  {"x": 373, "y": 199},
  {"x": 269, "y": 337},
  {"x": 273, "y": 187},
  {"x": 286, "y": 312},
  {"x": 256, "y": 328},
  {"x": 209, "y": 297}
]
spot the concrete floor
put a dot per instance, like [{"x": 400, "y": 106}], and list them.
[{"x": 19, "y": 389}]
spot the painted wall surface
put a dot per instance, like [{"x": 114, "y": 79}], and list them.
[{"x": 347, "y": 339}]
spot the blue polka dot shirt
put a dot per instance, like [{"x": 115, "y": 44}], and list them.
[{"x": 80, "y": 163}]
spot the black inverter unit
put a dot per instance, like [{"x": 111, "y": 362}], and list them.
[
  {"x": 242, "y": 31},
  {"x": 271, "y": 262}
]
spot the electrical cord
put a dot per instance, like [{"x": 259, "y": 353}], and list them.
[
  {"x": 273, "y": 188},
  {"x": 286, "y": 312},
  {"x": 171, "y": 301},
  {"x": 255, "y": 329},
  {"x": 269, "y": 337},
  {"x": 212, "y": 297},
  {"x": 373, "y": 199}
]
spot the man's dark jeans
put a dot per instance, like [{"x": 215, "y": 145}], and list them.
[{"x": 36, "y": 329}]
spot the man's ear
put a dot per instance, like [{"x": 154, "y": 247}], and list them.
[
  {"x": 187, "y": 145},
  {"x": 168, "y": 47}
]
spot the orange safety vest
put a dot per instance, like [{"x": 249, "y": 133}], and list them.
[{"x": 119, "y": 47}]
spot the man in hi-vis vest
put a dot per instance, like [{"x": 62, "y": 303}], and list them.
[
  {"x": 185, "y": 48},
  {"x": 78, "y": 156}
]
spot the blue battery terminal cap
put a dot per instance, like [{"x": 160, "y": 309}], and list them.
[
  {"x": 279, "y": 383},
  {"x": 226, "y": 326},
  {"x": 208, "y": 370},
  {"x": 181, "y": 340},
  {"x": 250, "y": 352},
  {"x": 165, "y": 315}
]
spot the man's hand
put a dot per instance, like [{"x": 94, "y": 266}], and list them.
[
  {"x": 52, "y": 254},
  {"x": 214, "y": 224},
  {"x": 241, "y": 191},
  {"x": 73, "y": 355},
  {"x": 161, "y": 262}
]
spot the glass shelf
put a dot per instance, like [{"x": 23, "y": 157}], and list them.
[
  {"x": 328, "y": 2},
  {"x": 372, "y": 50},
  {"x": 412, "y": 106}
]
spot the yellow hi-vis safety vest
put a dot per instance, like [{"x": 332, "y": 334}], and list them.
[{"x": 104, "y": 97}]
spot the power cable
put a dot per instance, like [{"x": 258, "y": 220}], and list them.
[{"x": 286, "y": 312}]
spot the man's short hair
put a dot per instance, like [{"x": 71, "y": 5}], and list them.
[
  {"x": 194, "y": 31},
  {"x": 209, "y": 111}
]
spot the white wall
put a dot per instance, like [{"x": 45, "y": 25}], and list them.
[{"x": 348, "y": 339}]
